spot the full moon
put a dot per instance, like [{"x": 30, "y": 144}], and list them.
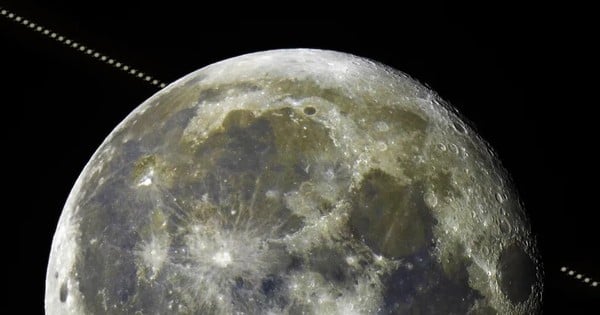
[{"x": 294, "y": 182}]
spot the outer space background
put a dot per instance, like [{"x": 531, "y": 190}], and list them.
[{"x": 523, "y": 76}]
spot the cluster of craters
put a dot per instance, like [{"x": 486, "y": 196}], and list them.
[{"x": 291, "y": 198}]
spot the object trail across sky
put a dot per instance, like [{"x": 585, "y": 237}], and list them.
[
  {"x": 80, "y": 47},
  {"x": 92, "y": 53},
  {"x": 579, "y": 276}
]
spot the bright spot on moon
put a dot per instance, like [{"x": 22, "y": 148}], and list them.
[
  {"x": 293, "y": 182},
  {"x": 222, "y": 259}
]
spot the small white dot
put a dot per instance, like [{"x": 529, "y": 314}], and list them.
[
  {"x": 155, "y": 82},
  {"x": 132, "y": 71},
  {"x": 579, "y": 276},
  {"x": 140, "y": 75},
  {"x": 74, "y": 45},
  {"x": 563, "y": 269},
  {"x": 118, "y": 64},
  {"x": 25, "y": 22},
  {"x": 586, "y": 280},
  {"x": 68, "y": 42},
  {"x": 594, "y": 284},
  {"x": 11, "y": 15},
  {"x": 125, "y": 68},
  {"x": 89, "y": 51},
  {"x": 3, "y": 12},
  {"x": 147, "y": 78},
  {"x": 571, "y": 273},
  {"x": 39, "y": 28},
  {"x": 18, "y": 19},
  {"x": 81, "y": 48},
  {"x": 96, "y": 55},
  {"x": 162, "y": 85}
]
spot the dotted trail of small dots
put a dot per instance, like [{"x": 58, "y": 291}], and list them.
[
  {"x": 110, "y": 61},
  {"x": 79, "y": 47},
  {"x": 579, "y": 276}
]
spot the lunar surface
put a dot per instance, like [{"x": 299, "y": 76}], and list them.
[{"x": 293, "y": 182}]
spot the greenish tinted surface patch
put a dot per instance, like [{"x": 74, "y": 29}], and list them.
[
  {"x": 387, "y": 216},
  {"x": 443, "y": 187},
  {"x": 455, "y": 263},
  {"x": 250, "y": 155},
  {"x": 399, "y": 118},
  {"x": 161, "y": 171},
  {"x": 142, "y": 165},
  {"x": 407, "y": 128},
  {"x": 310, "y": 192},
  {"x": 298, "y": 139},
  {"x": 164, "y": 106},
  {"x": 158, "y": 220},
  {"x": 331, "y": 264},
  {"x": 240, "y": 119},
  {"x": 219, "y": 92},
  {"x": 380, "y": 109},
  {"x": 308, "y": 88}
]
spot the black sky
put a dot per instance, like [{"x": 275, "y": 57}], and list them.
[{"x": 524, "y": 76}]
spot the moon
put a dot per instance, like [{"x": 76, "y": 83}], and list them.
[{"x": 294, "y": 181}]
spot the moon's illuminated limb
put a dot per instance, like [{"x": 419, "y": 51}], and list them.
[{"x": 293, "y": 181}]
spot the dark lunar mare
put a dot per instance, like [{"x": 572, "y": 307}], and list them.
[{"x": 426, "y": 289}]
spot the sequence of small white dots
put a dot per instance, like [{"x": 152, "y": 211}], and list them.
[
  {"x": 579, "y": 276},
  {"x": 81, "y": 48}
]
